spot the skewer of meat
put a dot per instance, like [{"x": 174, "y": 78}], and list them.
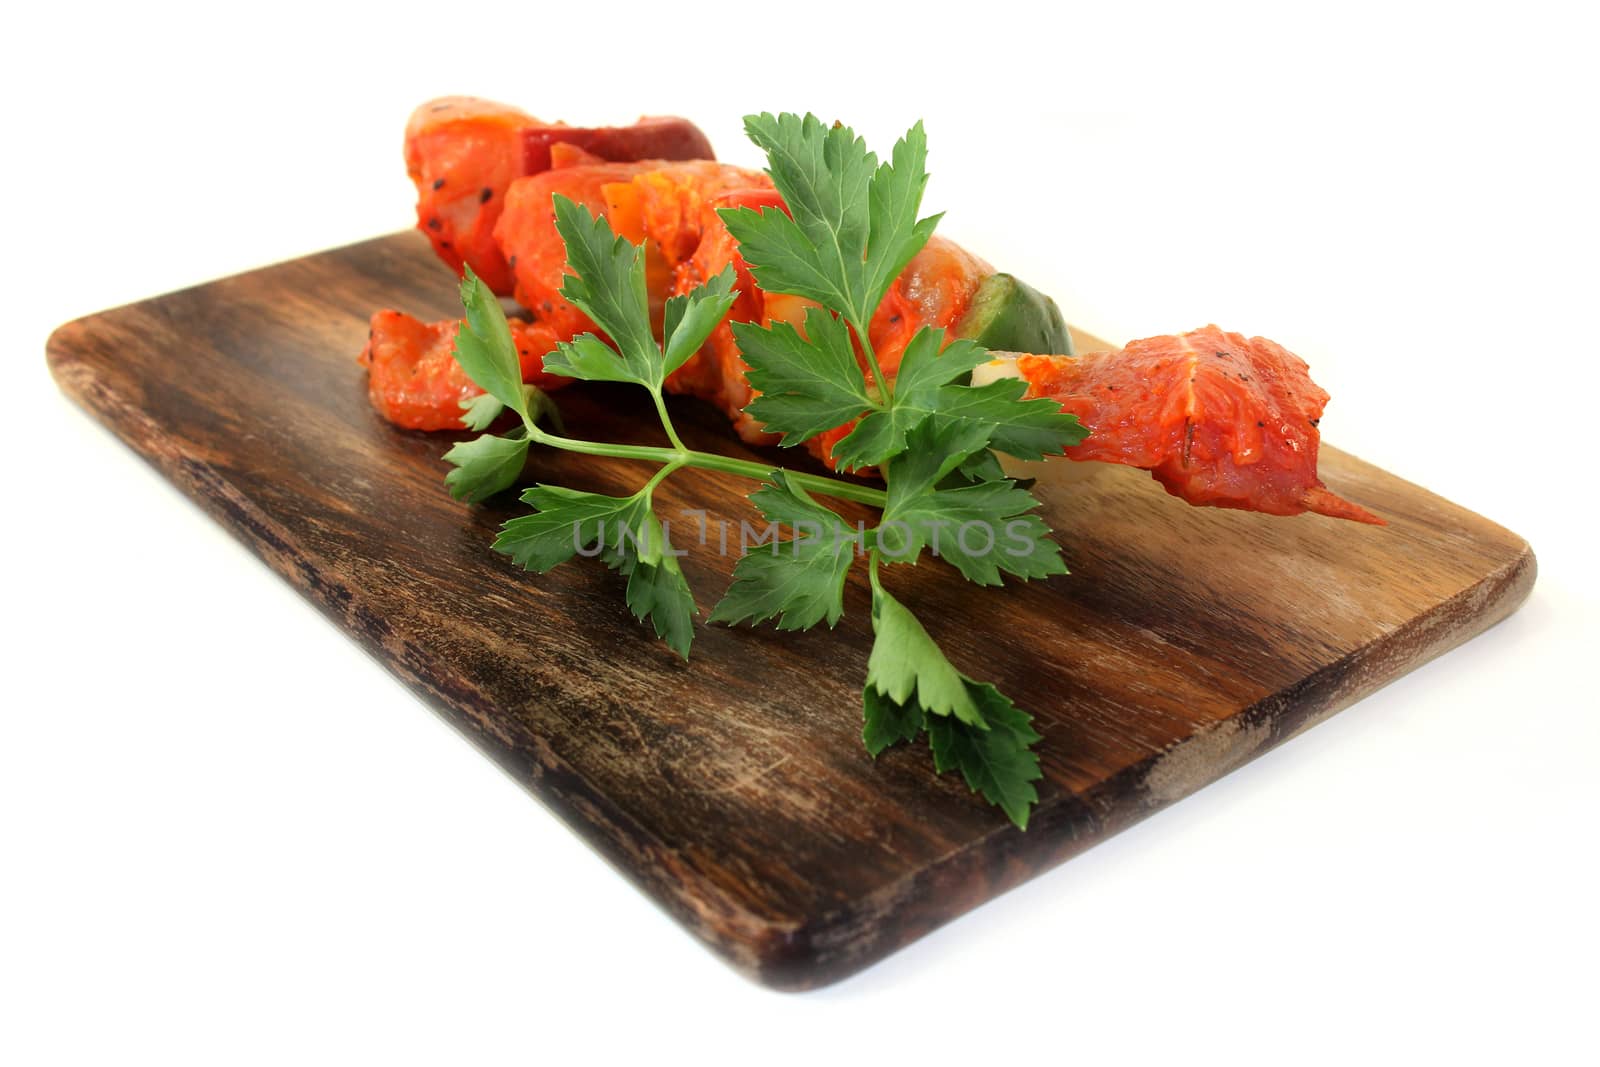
[
  {"x": 1218, "y": 419},
  {"x": 463, "y": 153}
]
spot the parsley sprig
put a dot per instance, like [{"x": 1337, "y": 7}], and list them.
[{"x": 850, "y": 228}]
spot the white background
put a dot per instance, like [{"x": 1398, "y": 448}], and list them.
[{"x": 226, "y": 836}]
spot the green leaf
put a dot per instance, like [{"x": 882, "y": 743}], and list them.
[
  {"x": 567, "y": 521},
  {"x": 851, "y": 225},
  {"x": 906, "y": 663},
  {"x": 800, "y": 580},
  {"x": 816, "y": 250},
  {"x": 886, "y": 721},
  {"x": 689, "y": 319},
  {"x": 782, "y": 500},
  {"x": 896, "y": 195},
  {"x": 484, "y": 347},
  {"x": 657, "y": 589},
  {"x": 478, "y": 412},
  {"x": 926, "y": 385},
  {"x": 1026, "y": 429},
  {"x": 625, "y": 534},
  {"x": 981, "y": 466},
  {"x": 486, "y": 466},
  {"x": 918, "y": 393},
  {"x": 608, "y": 286},
  {"x": 808, "y": 383},
  {"x": 780, "y": 257},
  {"x": 928, "y": 364},
  {"x": 971, "y": 725},
  {"x": 982, "y": 529},
  {"x": 934, "y": 448},
  {"x": 998, "y": 761},
  {"x": 590, "y": 359}
]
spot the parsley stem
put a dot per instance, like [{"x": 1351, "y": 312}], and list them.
[
  {"x": 666, "y": 420},
  {"x": 660, "y": 476},
  {"x": 686, "y": 457},
  {"x": 872, "y": 361},
  {"x": 822, "y": 486}
]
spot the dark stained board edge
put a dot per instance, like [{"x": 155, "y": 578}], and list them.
[
  {"x": 837, "y": 945},
  {"x": 799, "y": 951}
]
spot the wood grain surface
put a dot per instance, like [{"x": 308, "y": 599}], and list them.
[{"x": 734, "y": 789}]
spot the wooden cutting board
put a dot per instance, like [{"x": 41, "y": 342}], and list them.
[{"x": 734, "y": 789}]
